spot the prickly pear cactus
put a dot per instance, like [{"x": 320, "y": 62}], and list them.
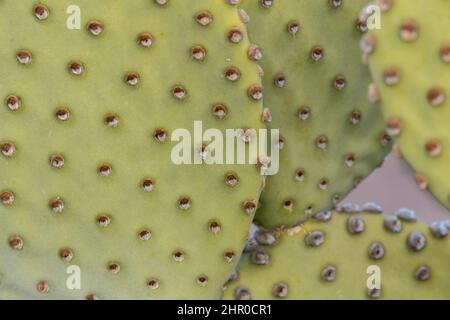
[
  {"x": 410, "y": 61},
  {"x": 343, "y": 256},
  {"x": 86, "y": 177},
  {"x": 317, "y": 94}
]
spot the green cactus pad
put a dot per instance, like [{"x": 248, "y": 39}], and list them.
[
  {"x": 336, "y": 259},
  {"x": 86, "y": 177},
  {"x": 410, "y": 61},
  {"x": 316, "y": 88}
]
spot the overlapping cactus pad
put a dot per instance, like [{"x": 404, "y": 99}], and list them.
[
  {"x": 410, "y": 60},
  {"x": 342, "y": 256},
  {"x": 317, "y": 89},
  {"x": 86, "y": 176}
]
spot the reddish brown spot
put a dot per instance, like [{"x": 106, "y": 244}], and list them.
[
  {"x": 231, "y": 179},
  {"x": 112, "y": 120},
  {"x": 436, "y": 97},
  {"x": 76, "y": 68},
  {"x": 153, "y": 284},
  {"x": 41, "y": 12},
  {"x": 66, "y": 254},
  {"x": 280, "y": 290},
  {"x": 288, "y": 205},
  {"x": 113, "y": 267},
  {"x": 409, "y": 30},
  {"x": 15, "y": 242},
  {"x": 57, "y": 161},
  {"x": 7, "y": 198},
  {"x": 433, "y": 148},
  {"x": 62, "y": 114},
  {"x": 13, "y": 102},
  {"x": 323, "y": 184},
  {"x": 179, "y": 92},
  {"x": 317, "y": 53},
  {"x": 229, "y": 256},
  {"x": 202, "y": 281},
  {"x": 95, "y": 28},
  {"x": 444, "y": 53},
  {"x": 394, "y": 126},
  {"x": 24, "y": 57},
  {"x": 43, "y": 287},
  {"x": 235, "y": 35},
  {"x": 204, "y": 18},
  {"x": 132, "y": 79},
  {"x": 249, "y": 206},
  {"x": 304, "y": 113},
  {"x": 198, "y": 53},
  {"x": 339, "y": 82},
  {"x": 361, "y": 25},
  {"x": 266, "y": 116},
  {"x": 336, "y": 198},
  {"x": 8, "y": 149},
  {"x": 322, "y": 142},
  {"x": 178, "y": 256},
  {"x": 105, "y": 170},
  {"x": 232, "y": 73},
  {"x": 184, "y": 203},
  {"x": 266, "y": 3},
  {"x": 57, "y": 205},
  {"x": 293, "y": 27},
  {"x": 255, "y": 92},
  {"x": 355, "y": 117},
  {"x": 145, "y": 39},
  {"x": 219, "y": 111},
  {"x": 254, "y": 53},
  {"x": 214, "y": 227},
  {"x": 103, "y": 220},
  {"x": 422, "y": 181},
  {"x": 385, "y": 139},
  {"x": 280, "y": 80},
  {"x": 300, "y": 175},
  {"x": 391, "y": 76},
  {"x": 145, "y": 234},
  {"x": 350, "y": 160},
  {"x": 148, "y": 185},
  {"x": 160, "y": 135}
]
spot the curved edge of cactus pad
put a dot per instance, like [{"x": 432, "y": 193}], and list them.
[
  {"x": 318, "y": 94},
  {"x": 340, "y": 255}
]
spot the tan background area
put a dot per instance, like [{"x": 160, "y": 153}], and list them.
[{"x": 393, "y": 186}]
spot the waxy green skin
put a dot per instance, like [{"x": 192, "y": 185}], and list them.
[
  {"x": 421, "y": 67},
  {"x": 310, "y": 83},
  {"x": 299, "y": 266},
  {"x": 86, "y": 143}
]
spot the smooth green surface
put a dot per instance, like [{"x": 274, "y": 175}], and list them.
[{"x": 86, "y": 143}]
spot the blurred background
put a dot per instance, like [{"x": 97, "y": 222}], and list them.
[{"x": 393, "y": 186}]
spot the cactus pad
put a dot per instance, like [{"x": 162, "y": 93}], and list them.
[
  {"x": 316, "y": 88},
  {"x": 410, "y": 61},
  {"x": 335, "y": 259},
  {"x": 86, "y": 177}
]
